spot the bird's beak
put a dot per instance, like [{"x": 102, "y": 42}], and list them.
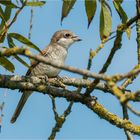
[{"x": 76, "y": 38}]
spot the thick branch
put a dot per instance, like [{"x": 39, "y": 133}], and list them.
[
  {"x": 27, "y": 53},
  {"x": 33, "y": 80},
  {"x": 76, "y": 97}
]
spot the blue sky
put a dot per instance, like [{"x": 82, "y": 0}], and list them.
[{"x": 37, "y": 119}]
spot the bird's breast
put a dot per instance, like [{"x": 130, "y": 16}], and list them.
[{"x": 56, "y": 56}]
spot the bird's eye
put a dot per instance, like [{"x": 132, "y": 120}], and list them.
[{"x": 67, "y": 35}]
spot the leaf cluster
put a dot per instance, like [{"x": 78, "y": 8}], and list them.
[{"x": 6, "y": 8}]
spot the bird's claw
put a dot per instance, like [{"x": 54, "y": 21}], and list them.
[
  {"x": 44, "y": 79},
  {"x": 60, "y": 82}
]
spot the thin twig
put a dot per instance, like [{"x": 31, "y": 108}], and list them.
[
  {"x": 126, "y": 116},
  {"x": 117, "y": 45},
  {"x": 133, "y": 110},
  {"x": 13, "y": 20},
  {"x": 54, "y": 108},
  {"x": 31, "y": 23},
  {"x": 129, "y": 80}
]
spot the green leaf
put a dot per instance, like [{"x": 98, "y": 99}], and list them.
[
  {"x": 10, "y": 41},
  {"x": 120, "y": 11},
  {"x": 1, "y": 11},
  {"x": 7, "y": 13},
  {"x": 105, "y": 22},
  {"x": 11, "y": 45},
  {"x": 67, "y": 6},
  {"x": 24, "y": 40},
  {"x": 7, "y": 64},
  {"x": 108, "y": 6},
  {"x": 8, "y": 3},
  {"x": 5, "y": 16},
  {"x": 36, "y": 3},
  {"x": 90, "y": 6},
  {"x": 3, "y": 22},
  {"x": 118, "y": 1},
  {"x": 123, "y": 16}
]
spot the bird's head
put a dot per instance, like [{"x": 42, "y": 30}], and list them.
[{"x": 64, "y": 38}]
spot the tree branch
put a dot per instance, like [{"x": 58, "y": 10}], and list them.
[
  {"x": 76, "y": 97},
  {"x": 27, "y": 53}
]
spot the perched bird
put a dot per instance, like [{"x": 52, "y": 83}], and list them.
[{"x": 56, "y": 52}]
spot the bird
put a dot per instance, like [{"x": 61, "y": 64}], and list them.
[{"x": 56, "y": 52}]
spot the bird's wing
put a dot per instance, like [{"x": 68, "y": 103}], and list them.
[{"x": 34, "y": 62}]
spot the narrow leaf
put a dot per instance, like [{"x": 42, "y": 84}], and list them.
[
  {"x": 3, "y": 19},
  {"x": 67, "y": 6},
  {"x": 11, "y": 45},
  {"x": 7, "y": 13},
  {"x": 118, "y": 1},
  {"x": 5, "y": 16},
  {"x": 24, "y": 40},
  {"x": 10, "y": 41},
  {"x": 7, "y": 64},
  {"x": 8, "y": 3},
  {"x": 1, "y": 10},
  {"x": 108, "y": 6},
  {"x": 123, "y": 15},
  {"x": 105, "y": 22},
  {"x": 90, "y": 6},
  {"x": 120, "y": 11},
  {"x": 36, "y": 3}
]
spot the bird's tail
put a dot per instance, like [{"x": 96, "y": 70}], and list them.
[{"x": 20, "y": 105}]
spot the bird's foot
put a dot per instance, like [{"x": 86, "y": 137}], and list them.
[
  {"x": 44, "y": 78},
  {"x": 60, "y": 82}
]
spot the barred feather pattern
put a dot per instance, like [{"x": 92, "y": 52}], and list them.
[{"x": 55, "y": 53}]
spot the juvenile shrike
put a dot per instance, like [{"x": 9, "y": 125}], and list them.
[{"x": 56, "y": 52}]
